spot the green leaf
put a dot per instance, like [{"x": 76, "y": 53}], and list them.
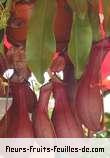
[
  {"x": 93, "y": 12},
  {"x": 79, "y": 6},
  {"x": 106, "y": 4},
  {"x": 94, "y": 18},
  {"x": 80, "y": 44},
  {"x": 41, "y": 42},
  {"x": 8, "y": 4},
  {"x": 107, "y": 120},
  {"x": 1, "y": 35},
  {"x": 1, "y": 48},
  {"x": 2, "y": 1}
]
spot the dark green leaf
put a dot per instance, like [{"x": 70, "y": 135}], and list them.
[
  {"x": 1, "y": 48},
  {"x": 41, "y": 42},
  {"x": 93, "y": 13},
  {"x": 1, "y": 34},
  {"x": 80, "y": 44}
]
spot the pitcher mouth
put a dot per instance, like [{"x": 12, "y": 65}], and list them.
[{"x": 16, "y": 23}]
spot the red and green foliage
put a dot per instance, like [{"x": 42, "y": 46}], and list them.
[{"x": 35, "y": 29}]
